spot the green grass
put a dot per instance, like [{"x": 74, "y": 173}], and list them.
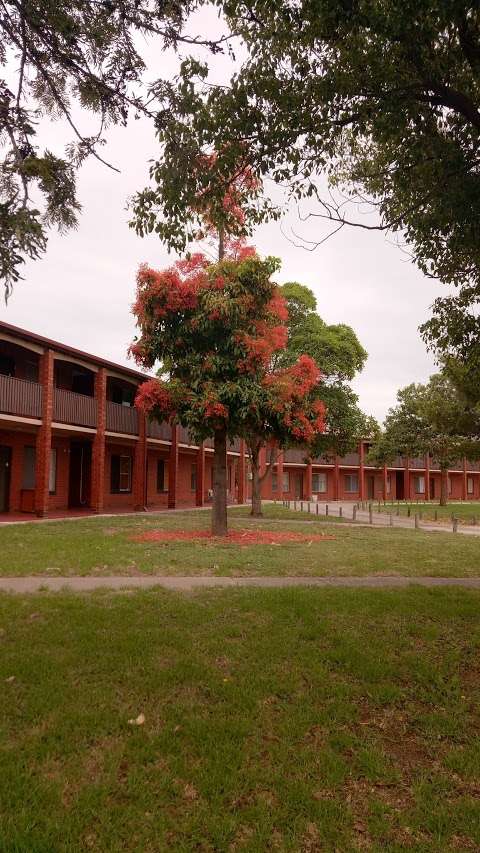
[
  {"x": 286, "y": 720},
  {"x": 104, "y": 546},
  {"x": 465, "y": 512}
]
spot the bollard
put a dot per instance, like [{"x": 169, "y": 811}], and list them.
[
  {"x": 454, "y": 524},
  {"x": 309, "y": 508},
  {"x": 294, "y": 504},
  {"x": 354, "y": 512},
  {"x": 474, "y": 520},
  {"x": 301, "y": 506},
  {"x": 340, "y": 512},
  {"x": 370, "y": 514},
  {"x": 398, "y": 509},
  {"x": 326, "y": 509},
  {"x": 408, "y": 512},
  {"x": 391, "y": 519},
  {"x": 316, "y": 509},
  {"x": 417, "y": 521},
  {"x": 436, "y": 515}
]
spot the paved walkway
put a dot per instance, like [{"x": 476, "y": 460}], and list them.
[
  {"x": 379, "y": 519},
  {"x": 185, "y": 584}
]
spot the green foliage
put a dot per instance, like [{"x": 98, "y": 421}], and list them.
[
  {"x": 434, "y": 418},
  {"x": 339, "y": 354}
]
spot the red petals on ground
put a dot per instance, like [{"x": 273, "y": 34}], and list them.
[{"x": 238, "y": 537}]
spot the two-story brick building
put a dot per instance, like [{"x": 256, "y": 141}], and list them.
[{"x": 71, "y": 440}]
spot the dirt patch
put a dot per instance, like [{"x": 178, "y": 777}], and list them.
[{"x": 237, "y": 537}]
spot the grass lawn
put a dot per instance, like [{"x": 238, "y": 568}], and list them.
[
  {"x": 286, "y": 720},
  {"x": 465, "y": 512},
  {"x": 104, "y": 546}
]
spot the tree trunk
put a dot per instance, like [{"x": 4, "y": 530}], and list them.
[
  {"x": 219, "y": 509},
  {"x": 443, "y": 487},
  {"x": 256, "y": 511}
]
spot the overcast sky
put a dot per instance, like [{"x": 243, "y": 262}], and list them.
[{"x": 82, "y": 291}]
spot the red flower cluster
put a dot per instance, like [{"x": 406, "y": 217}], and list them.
[
  {"x": 153, "y": 396},
  {"x": 261, "y": 346}
]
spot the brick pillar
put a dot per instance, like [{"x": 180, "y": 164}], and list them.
[
  {"x": 406, "y": 487},
  {"x": 464, "y": 480},
  {"x": 200, "y": 491},
  {"x": 385, "y": 482},
  {"x": 98, "y": 449},
  {"x": 361, "y": 471},
  {"x": 308, "y": 482},
  {"x": 44, "y": 435},
  {"x": 140, "y": 466},
  {"x": 242, "y": 474},
  {"x": 280, "y": 473},
  {"x": 173, "y": 470},
  {"x": 427, "y": 476},
  {"x": 336, "y": 479}
]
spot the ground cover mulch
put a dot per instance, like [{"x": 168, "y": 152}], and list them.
[{"x": 237, "y": 537}]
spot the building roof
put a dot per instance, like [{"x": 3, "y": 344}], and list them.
[{"x": 66, "y": 350}]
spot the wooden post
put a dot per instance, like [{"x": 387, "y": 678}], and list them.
[{"x": 173, "y": 469}]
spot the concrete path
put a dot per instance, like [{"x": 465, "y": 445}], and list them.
[
  {"x": 379, "y": 519},
  {"x": 185, "y": 584}
]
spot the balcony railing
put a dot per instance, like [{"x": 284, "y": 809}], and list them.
[
  {"x": 473, "y": 466},
  {"x": 417, "y": 462},
  {"x": 294, "y": 455},
  {"x": 184, "y": 437},
  {"x": 19, "y": 397},
  {"x": 72, "y": 408},
  {"x": 122, "y": 419},
  {"x": 350, "y": 459},
  {"x": 161, "y": 431}
]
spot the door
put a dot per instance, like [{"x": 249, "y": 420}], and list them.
[
  {"x": 400, "y": 486},
  {"x": 79, "y": 481},
  {"x": 370, "y": 487},
  {"x": 432, "y": 488},
  {"x": 5, "y": 465},
  {"x": 298, "y": 486}
]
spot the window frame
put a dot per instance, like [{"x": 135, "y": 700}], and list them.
[
  {"x": 353, "y": 478},
  {"x": 318, "y": 475},
  {"x": 121, "y": 457}
]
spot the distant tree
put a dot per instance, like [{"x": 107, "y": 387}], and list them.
[
  {"x": 214, "y": 328},
  {"x": 433, "y": 418},
  {"x": 340, "y": 356}
]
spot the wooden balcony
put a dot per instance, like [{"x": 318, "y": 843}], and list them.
[
  {"x": 75, "y": 409},
  {"x": 122, "y": 419},
  {"x": 161, "y": 431},
  {"x": 295, "y": 456},
  {"x": 19, "y": 397},
  {"x": 352, "y": 459}
]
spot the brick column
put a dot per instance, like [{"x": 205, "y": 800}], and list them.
[
  {"x": 173, "y": 470},
  {"x": 336, "y": 479},
  {"x": 406, "y": 487},
  {"x": 427, "y": 476},
  {"x": 98, "y": 449},
  {"x": 361, "y": 471},
  {"x": 464, "y": 480},
  {"x": 280, "y": 474},
  {"x": 140, "y": 466},
  {"x": 44, "y": 436},
  {"x": 308, "y": 482},
  {"x": 200, "y": 491},
  {"x": 242, "y": 474},
  {"x": 385, "y": 482}
]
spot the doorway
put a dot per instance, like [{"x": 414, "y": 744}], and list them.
[
  {"x": 399, "y": 486},
  {"x": 298, "y": 486},
  {"x": 370, "y": 487},
  {"x": 432, "y": 488},
  {"x": 5, "y": 465},
  {"x": 80, "y": 475}
]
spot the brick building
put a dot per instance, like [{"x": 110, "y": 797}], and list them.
[{"x": 71, "y": 439}]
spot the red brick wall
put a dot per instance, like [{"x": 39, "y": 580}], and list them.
[
  {"x": 154, "y": 498},
  {"x": 122, "y": 500}
]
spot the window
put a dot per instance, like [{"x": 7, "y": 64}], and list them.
[
  {"x": 449, "y": 481},
  {"x": 351, "y": 482},
  {"x": 193, "y": 477},
  {"x": 162, "y": 476},
  {"x": 274, "y": 481},
  {"x": 469, "y": 485},
  {"x": 52, "y": 479},
  {"x": 389, "y": 484},
  {"x": 419, "y": 485},
  {"x": 28, "y": 471},
  {"x": 319, "y": 482},
  {"x": 121, "y": 474},
  {"x": 286, "y": 481}
]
